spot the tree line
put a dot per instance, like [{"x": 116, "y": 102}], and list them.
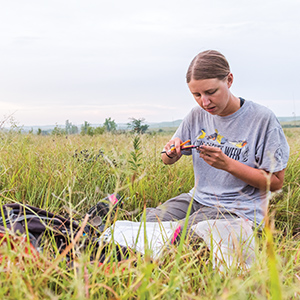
[{"x": 109, "y": 125}]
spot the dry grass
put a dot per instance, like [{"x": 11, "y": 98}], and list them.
[{"x": 69, "y": 174}]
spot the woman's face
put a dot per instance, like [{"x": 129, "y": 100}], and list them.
[{"x": 214, "y": 96}]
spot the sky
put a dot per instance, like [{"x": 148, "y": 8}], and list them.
[{"x": 90, "y": 60}]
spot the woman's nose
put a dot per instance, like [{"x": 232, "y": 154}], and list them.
[{"x": 205, "y": 100}]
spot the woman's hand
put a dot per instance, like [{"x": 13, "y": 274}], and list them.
[
  {"x": 255, "y": 177},
  {"x": 173, "y": 152},
  {"x": 214, "y": 157}
]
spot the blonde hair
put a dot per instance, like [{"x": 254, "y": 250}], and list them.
[{"x": 208, "y": 64}]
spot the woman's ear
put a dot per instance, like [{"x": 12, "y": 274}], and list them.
[{"x": 229, "y": 80}]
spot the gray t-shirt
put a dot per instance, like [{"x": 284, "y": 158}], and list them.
[{"x": 251, "y": 135}]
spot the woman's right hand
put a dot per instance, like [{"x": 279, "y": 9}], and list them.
[{"x": 173, "y": 152}]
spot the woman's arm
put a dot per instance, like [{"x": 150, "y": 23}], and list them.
[{"x": 255, "y": 177}]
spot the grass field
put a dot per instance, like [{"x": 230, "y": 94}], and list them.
[{"x": 68, "y": 175}]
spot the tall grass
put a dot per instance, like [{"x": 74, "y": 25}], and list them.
[{"x": 68, "y": 175}]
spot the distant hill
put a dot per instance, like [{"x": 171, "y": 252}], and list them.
[
  {"x": 175, "y": 123},
  {"x": 122, "y": 126},
  {"x": 288, "y": 119},
  {"x": 289, "y": 122},
  {"x": 285, "y": 121}
]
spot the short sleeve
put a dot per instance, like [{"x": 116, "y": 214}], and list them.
[{"x": 273, "y": 153}]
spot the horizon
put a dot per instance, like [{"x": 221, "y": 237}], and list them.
[{"x": 62, "y": 125}]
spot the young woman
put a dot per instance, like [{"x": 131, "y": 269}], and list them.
[{"x": 241, "y": 150}]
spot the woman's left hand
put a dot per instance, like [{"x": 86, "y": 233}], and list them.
[
  {"x": 214, "y": 157},
  {"x": 258, "y": 178}
]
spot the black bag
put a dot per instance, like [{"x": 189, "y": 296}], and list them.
[
  {"x": 39, "y": 224},
  {"x": 36, "y": 223}
]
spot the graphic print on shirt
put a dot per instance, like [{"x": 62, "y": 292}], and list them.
[
  {"x": 237, "y": 150},
  {"x": 278, "y": 154}
]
